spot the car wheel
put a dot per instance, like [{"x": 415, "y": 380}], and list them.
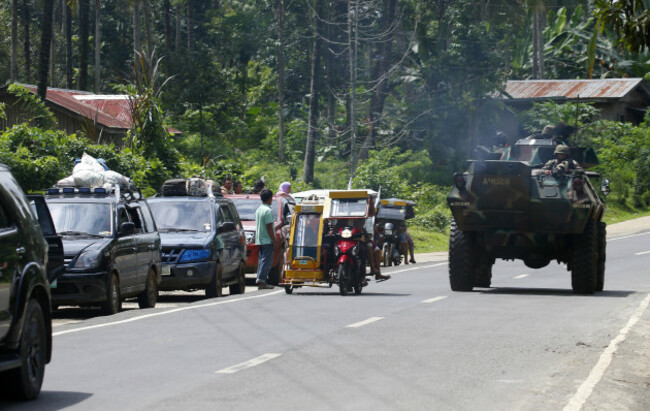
[
  {"x": 149, "y": 296},
  {"x": 215, "y": 288},
  {"x": 113, "y": 303},
  {"x": 240, "y": 287},
  {"x": 24, "y": 383},
  {"x": 275, "y": 276}
]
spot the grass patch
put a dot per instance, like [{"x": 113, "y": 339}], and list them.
[
  {"x": 617, "y": 213},
  {"x": 428, "y": 241}
]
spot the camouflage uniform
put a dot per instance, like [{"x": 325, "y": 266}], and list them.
[{"x": 562, "y": 167}]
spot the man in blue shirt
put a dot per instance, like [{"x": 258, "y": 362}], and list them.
[{"x": 264, "y": 238}]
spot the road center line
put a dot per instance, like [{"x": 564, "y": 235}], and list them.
[
  {"x": 517, "y": 277},
  {"x": 364, "y": 322},
  {"x": 416, "y": 268},
  {"x": 248, "y": 364},
  {"x": 434, "y": 299},
  {"x": 596, "y": 374},
  {"x": 175, "y": 310},
  {"x": 642, "y": 252}
]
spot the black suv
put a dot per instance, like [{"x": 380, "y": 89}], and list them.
[
  {"x": 203, "y": 243},
  {"x": 25, "y": 316},
  {"x": 111, "y": 245}
]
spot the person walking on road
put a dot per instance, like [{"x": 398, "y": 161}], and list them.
[{"x": 265, "y": 238}]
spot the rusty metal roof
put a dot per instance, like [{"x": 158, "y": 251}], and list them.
[
  {"x": 89, "y": 105},
  {"x": 111, "y": 110},
  {"x": 573, "y": 89}
]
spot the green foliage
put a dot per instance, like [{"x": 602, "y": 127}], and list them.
[
  {"x": 32, "y": 108},
  {"x": 392, "y": 170},
  {"x": 624, "y": 153},
  {"x": 574, "y": 114}
]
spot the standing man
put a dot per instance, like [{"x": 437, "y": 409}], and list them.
[
  {"x": 264, "y": 238},
  {"x": 227, "y": 186},
  {"x": 562, "y": 164},
  {"x": 237, "y": 187}
]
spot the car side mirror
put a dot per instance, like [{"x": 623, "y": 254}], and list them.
[
  {"x": 227, "y": 227},
  {"x": 604, "y": 187},
  {"x": 126, "y": 229}
]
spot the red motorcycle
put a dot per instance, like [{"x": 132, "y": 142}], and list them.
[{"x": 349, "y": 252}]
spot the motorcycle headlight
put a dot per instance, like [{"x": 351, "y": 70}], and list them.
[
  {"x": 250, "y": 236},
  {"x": 190, "y": 256},
  {"x": 87, "y": 260},
  {"x": 346, "y": 233}
]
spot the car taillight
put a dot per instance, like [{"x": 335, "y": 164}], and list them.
[
  {"x": 459, "y": 181},
  {"x": 578, "y": 184}
]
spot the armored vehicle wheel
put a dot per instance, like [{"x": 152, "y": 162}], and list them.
[
  {"x": 461, "y": 259},
  {"x": 483, "y": 276},
  {"x": 602, "y": 247},
  {"x": 585, "y": 260}
]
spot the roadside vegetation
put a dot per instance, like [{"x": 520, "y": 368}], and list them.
[{"x": 272, "y": 90}]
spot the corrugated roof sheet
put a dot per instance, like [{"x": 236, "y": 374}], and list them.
[
  {"x": 602, "y": 88},
  {"x": 73, "y": 100},
  {"x": 112, "y": 110}
]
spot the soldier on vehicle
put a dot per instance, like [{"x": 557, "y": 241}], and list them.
[{"x": 562, "y": 163}]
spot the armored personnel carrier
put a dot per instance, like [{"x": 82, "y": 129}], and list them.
[{"x": 505, "y": 206}]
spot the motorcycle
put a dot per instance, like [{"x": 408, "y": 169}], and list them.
[
  {"x": 390, "y": 250},
  {"x": 350, "y": 260}
]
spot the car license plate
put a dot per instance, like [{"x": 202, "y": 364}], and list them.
[
  {"x": 54, "y": 283},
  {"x": 166, "y": 270}
]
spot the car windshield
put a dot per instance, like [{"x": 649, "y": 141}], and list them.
[
  {"x": 82, "y": 218},
  {"x": 182, "y": 215},
  {"x": 246, "y": 208},
  {"x": 349, "y": 207}
]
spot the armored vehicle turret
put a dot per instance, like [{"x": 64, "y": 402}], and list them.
[{"x": 512, "y": 204}]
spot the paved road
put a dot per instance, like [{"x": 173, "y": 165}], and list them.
[{"x": 407, "y": 343}]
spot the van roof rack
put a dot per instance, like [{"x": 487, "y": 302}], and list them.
[{"x": 128, "y": 193}]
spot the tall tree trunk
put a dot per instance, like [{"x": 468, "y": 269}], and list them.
[
  {"x": 44, "y": 52},
  {"x": 148, "y": 26},
  {"x": 280, "y": 26},
  {"x": 83, "y": 44},
  {"x": 53, "y": 45},
  {"x": 137, "y": 48},
  {"x": 177, "y": 36},
  {"x": 26, "y": 40},
  {"x": 67, "y": 28},
  {"x": 98, "y": 65},
  {"x": 330, "y": 61},
  {"x": 314, "y": 98},
  {"x": 379, "y": 78},
  {"x": 14, "y": 41},
  {"x": 189, "y": 26},
  {"x": 539, "y": 22},
  {"x": 168, "y": 29},
  {"x": 352, "y": 56}
]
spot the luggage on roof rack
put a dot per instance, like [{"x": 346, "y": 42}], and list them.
[{"x": 194, "y": 187}]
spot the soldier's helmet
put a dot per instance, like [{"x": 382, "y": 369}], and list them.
[{"x": 562, "y": 149}]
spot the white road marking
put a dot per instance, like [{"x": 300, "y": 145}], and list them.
[
  {"x": 596, "y": 374},
  {"x": 434, "y": 299},
  {"x": 364, "y": 322},
  {"x": 248, "y": 364},
  {"x": 626, "y": 236},
  {"x": 175, "y": 310},
  {"x": 642, "y": 252},
  {"x": 415, "y": 268},
  {"x": 517, "y": 277}
]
